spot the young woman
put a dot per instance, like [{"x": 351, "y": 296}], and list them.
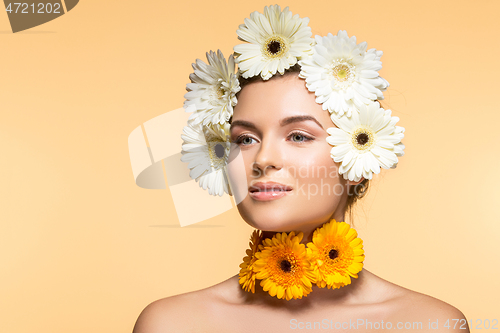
[{"x": 309, "y": 135}]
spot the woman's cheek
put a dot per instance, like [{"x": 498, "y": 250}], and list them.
[
  {"x": 239, "y": 172},
  {"x": 310, "y": 168}
]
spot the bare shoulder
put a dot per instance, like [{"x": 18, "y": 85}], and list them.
[
  {"x": 408, "y": 306},
  {"x": 435, "y": 314},
  {"x": 189, "y": 312},
  {"x": 170, "y": 314}
]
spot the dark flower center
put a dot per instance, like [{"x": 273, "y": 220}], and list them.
[
  {"x": 333, "y": 254},
  {"x": 274, "y": 47},
  {"x": 285, "y": 266},
  {"x": 362, "y": 138},
  {"x": 219, "y": 150}
]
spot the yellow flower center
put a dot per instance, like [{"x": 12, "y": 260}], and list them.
[
  {"x": 216, "y": 94},
  {"x": 286, "y": 270},
  {"x": 337, "y": 255},
  {"x": 275, "y": 47},
  {"x": 343, "y": 73},
  {"x": 216, "y": 151},
  {"x": 220, "y": 92},
  {"x": 363, "y": 138}
]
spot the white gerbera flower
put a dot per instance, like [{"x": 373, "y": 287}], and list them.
[
  {"x": 365, "y": 142},
  {"x": 277, "y": 41},
  {"x": 206, "y": 149},
  {"x": 342, "y": 74},
  {"x": 212, "y": 92}
]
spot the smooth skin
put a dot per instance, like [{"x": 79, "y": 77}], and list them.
[{"x": 292, "y": 155}]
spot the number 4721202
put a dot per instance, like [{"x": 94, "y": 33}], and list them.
[
  {"x": 41, "y": 8},
  {"x": 480, "y": 324}
]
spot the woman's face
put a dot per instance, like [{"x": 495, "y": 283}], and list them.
[{"x": 280, "y": 132}]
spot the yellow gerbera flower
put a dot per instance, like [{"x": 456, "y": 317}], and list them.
[
  {"x": 283, "y": 266},
  {"x": 336, "y": 254},
  {"x": 247, "y": 275}
]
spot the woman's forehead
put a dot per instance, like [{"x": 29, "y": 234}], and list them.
[{"x": 277, "y": 99}]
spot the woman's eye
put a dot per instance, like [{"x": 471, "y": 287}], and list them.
[
  {"x": 245, "y": 140},
  {"x": 299, "y": 137}
]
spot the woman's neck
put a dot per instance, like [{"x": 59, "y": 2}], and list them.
[{"x": 307, "y": 230}]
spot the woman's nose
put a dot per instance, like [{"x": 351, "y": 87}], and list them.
[{"x": 270, "y": 155}]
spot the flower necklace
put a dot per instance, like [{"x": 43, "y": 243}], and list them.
[{"x": 287, "y": 269}]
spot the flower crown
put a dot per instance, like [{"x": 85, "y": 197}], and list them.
[{"x": 342, "y": 74}]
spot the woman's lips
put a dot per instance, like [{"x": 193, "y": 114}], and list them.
[{"x": 265, "y": 191}]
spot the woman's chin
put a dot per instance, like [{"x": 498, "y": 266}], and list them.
[{"x": 280, "y": 223}]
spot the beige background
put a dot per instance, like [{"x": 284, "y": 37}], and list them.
[{"x": 83, "y": 249}]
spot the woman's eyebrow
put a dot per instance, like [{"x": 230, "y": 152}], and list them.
[
  {"x": 294, "y": 119},
  {"x": 243, "y": 123},
  {"x": 283, "y": 122}
]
